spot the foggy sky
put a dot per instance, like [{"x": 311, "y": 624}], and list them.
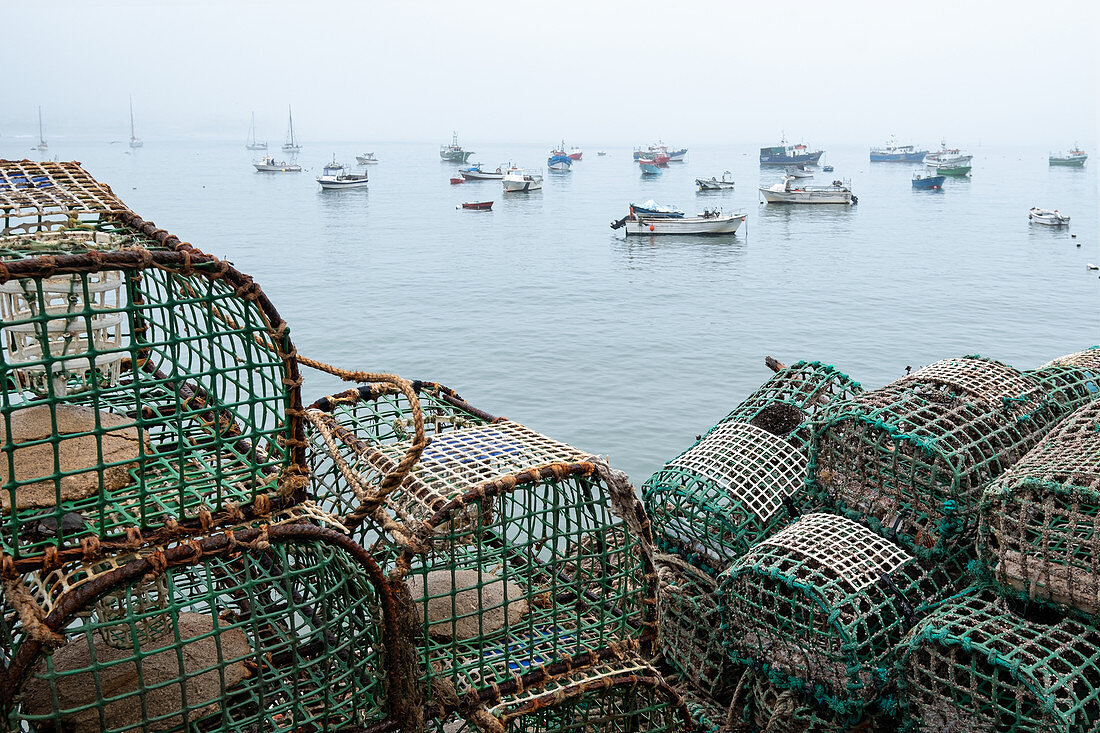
[{"x": 591, "y": 72}]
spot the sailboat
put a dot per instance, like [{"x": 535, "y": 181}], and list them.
[
  {"x": 134, "y": 142},
  {"x": 291, "y": 145},
  {"x": 251, "y": 144},
  {"x": 42, "y": 146}
]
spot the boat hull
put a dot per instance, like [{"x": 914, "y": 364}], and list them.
[
  {"x": 916, "y": 157},
  {"x": 650, "y": 169},
  {"x": 643, "y": 226},
  {"x": 521, "y": 186},
  {"x": 288, "y": 168},
  {"x": 957, "y": 171},
  {"x": 256, "y": 146},
  {"x": 478, "y": 206},
  {"x": 339, "y": 185},
  {"x": 1047, "y": 217},
  {"x": 777, "y": 159},
  {"x": 481, "y": 176},
  {"x": 929, "y": 183},
  {"x": 455, "y": 156},
  {"x": 1069, "y": 162},
  {"x": 365, "y": 161},
  {"x": 806, "y": 197},
  {"x": 713, "y": 184}
]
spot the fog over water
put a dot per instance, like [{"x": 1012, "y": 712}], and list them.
[{"x": 593, "y": 72}]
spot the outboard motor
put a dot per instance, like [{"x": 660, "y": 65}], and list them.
[{"x": 620, "y": 223}]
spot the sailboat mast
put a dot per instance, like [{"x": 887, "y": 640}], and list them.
[
  {"x": 290, "y": 117},
  {"x": 131, "y": 118}
]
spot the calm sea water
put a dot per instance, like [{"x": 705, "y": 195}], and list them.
[{"x": 629, "y": 347}]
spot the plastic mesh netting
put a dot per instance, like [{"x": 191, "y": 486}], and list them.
[
  {"x": 261, "y": 630},
  {"x": 822, "y": 605},
  {"x": 1040, "y": 529},
  {"x": 976, "y": 665},
  {"x": 1073, "y": 379},
  {"x": 911, "y": 459},
  {"x": 735, "y": 485}
]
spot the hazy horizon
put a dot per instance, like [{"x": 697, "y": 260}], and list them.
[{"x": 841, "y": 74}]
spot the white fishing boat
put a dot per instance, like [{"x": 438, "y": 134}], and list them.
[
  {"x": 134, "y": 141},
  {"x": 947, "y": 157},
  {"x": 268, "y": 164},
  {"x": 517, "y": 180},
  {"x": 706, "y": 222},
  {"x": 1047, "y": 217},
  {"x": 715, "y": 184},
  {"x": 787, "y": 193},
  {"x": 366, "y": 159},
  {"x": 798, "y": 171},
  {"x": 251, "y": 142},
  {"x": 476, "y": 173},
  {"x": 42, "y": 146},
  {"x": 291, "y": 145},
  {"x": 336, "y": 176}
]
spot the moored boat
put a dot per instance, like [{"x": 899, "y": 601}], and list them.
[
  {"x": 707, "y": 222},
  {"x": 457, "y": 179},
  {"x": 894, "y": 153},
  {"x": 784, "y": 154},
  {"x": 575, "y": 153},
  {"x": 798, "y": 171},
  {"x": 957, "y": 170},
  {"x": 649, "y": 167},
  {"x": 477, "y": 205},
  {"x": 661, "y": 152},
  {"x": 785, "y": 193},
  {"x": 715, "y": 184},
  {"x": 135, "y": 142},
  {"x": 1047, "y": 217},
  {"x": 476, "y": 173},
  {"x": 251, "y": 143},
  {"x": 454, "y": 152},
  {"x": 559, "y": 163},
  {"x": 927, "y": 180},
  {"x": 600, "y": 153},
  {"x": 827, "y": 168},
  {"x": 948, "y": 156},
  {"x": 291, "y": 145},
  {"x": 517, "y": 180},
  {"x": 1075, "y": 158},
  {"x": 268, "y": 164},
  {"x": 366, "y": 159},
  {"x": 43, "y": 146},
  {"x": 336, "y": 176}
]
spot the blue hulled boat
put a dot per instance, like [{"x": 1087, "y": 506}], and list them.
[
  {"x": 894, "y": 153},
  {"x": 559, "y": 163},
  {"x": 784, "y": 154},
  {"x": 927, "y": 180},
  {"x": 649, "y": 167}
]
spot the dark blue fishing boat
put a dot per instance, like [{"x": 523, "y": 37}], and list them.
[{"x": 927, "y": 180}]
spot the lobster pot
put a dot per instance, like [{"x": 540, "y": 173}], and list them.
[
  {"x": 689, "y": 632},
  {"x": 770, "y": 708},
  {"x": 1039, "y": 536},
  {"x": 707, "y": 715},
  {"x": 623, "y": 697},
  {"x": 975, "y": 665},
  {"x": 264, "y": 632},
  {"x": 513, "y": 551},
  {"x": 911, "y": 459},
  {"x": 823, "y": 604},
  {"x": 68, "y": 316},
  {"x": 1072, "y": 380},
  {"x": 140, "y": 388},
  {"x": 736, "y": 485}
]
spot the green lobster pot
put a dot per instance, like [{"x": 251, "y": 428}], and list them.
[
  {"x": 976, "y": 665},
  {"x": 258, "y": 629},
  {"x": 731, "y": 488},
  {"x": 1073, "y": 379},
  {"x": 821, "y": 607},
  {"x": 912, "y": 458},
  {"x": 146, "y": 387},
  {"x": 776, "y": 710},
  {"x": 519, "y": 558},
  {"x": 1039, "y": 536}
]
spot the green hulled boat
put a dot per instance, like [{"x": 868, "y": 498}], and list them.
[
  {"x": 1075, "y": 158},
  {"x": 953, "y": 170}
]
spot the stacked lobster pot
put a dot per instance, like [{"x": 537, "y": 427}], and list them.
[
  {"x": 160, "y": 566},
  {"x": 1026, "y": 647},
  {"x": 737, "y": 485},
  {"x": 521, "y": 568},
  {"x": 822, "y": 606}
]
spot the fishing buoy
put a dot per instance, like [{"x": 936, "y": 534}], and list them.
[
  {"x": 1092, "y": 266},
  {"x": 651, "y": 228},
  {"x": 1073, "y": 236}
]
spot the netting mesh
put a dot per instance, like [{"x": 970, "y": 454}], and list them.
[
  {"x": 691, "y": 637},
  {"x": 42, "y": 197},
  {"x": 910, "y": 459},
  {"x": 1040, "y": 527},
  {"x": 139, "y": 388},
  {"x": 1073, "y": 380},
  {"x": 821, "y": 606},
  {"x": 518, "y": 554},
  {"x": 976, "y": 665},
  {"x": 735, "y": 485},
  {"x": 279, "y": 635},
  {"x": 776, "y": 710}
]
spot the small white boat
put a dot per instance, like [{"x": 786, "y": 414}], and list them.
[
  {"x": 269, "y": 165},
  {"x": 134, "y": 141},
  {"x": 785, "y": 193},
  {"x": 366, "y": 159},
  {"x": 715, "y": 184},
  {"x": 1048, "y": 217},
  {"x": 517, "y": 180},
  {"x": 475, "y": 173},
  {"x": 707, "y": 222},
  {"x": 251, "y": 142},
  {"x": 335, "y": 176},
  {"x": 798, "y": 171}
]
